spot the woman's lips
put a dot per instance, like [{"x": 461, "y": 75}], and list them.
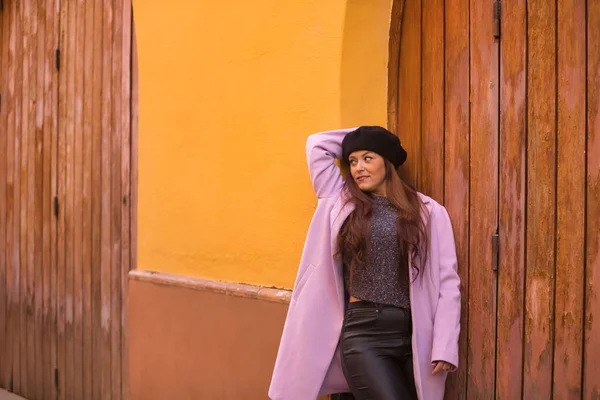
[{"x": 361, "y": 178}]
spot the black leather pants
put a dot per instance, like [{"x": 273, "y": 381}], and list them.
[{"x": 377, "y": 352}]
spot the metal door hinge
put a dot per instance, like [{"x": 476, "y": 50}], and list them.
[
  {"x": 56, "y": 206},
  {"x": 495, "y": 251},
  {"x": 497, "y": 18},
  {"x": 57, "y": 59}
]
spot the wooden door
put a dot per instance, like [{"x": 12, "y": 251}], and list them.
[
  {"x": 550, "y": 189},
  {"x": 501, "y": 116},
  {"x": 28, "y": 139},
  {"x": 447, "y": 117},
  {"x": 67, "y": 203}
]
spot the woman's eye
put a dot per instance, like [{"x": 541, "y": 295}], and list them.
[{"x": 368, "y": 158}]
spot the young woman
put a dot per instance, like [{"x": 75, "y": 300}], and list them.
[{"x": 376, "y": 305}]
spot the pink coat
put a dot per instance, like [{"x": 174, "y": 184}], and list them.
[{"x": 308, "y": 363}]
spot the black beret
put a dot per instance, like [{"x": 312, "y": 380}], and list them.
[{"x": 376, "y": 139}]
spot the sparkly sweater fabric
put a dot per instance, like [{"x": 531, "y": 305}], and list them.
[{"x": 378, "y": 280}]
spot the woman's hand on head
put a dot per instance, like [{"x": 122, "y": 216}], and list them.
[{"x": 439, "y": 366}]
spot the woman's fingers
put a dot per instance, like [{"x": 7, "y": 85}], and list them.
[{"x": 438, "y": 366}]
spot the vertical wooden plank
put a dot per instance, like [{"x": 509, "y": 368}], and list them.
[
  {"x": 98, "y": 364},
  {"x": 432, "y": 174},
  {"x": 106, "y": 193},
  {"x": 78, "y": 139},
  {"x": 72, "y": 374},
  {"x": 22, "y": 131},
  {"x": 116, "y": 198},
  {"x": 12, "y": 206},
  {"x": 393, "y": 63},
  {"x": 541, "y": 199},
  {"x": 456, "y": 165},
  {"x": 49, "y": 191},
  {"x": 484, "y": 201},
  {"x": 88, "y": 90},
  {"x": 591, "y": 383},
  {"x": 513, "y": 146},
  {"x": 409, "y": 98},
  {"x": 52, "y": 116},
  {"x": 61, "y": 278},
  {"x": 3, "y": 171},
  {"x": 570, "y": 224},
  {"x": 125, "y": 146},
  {"x": 40, "y": 64}
]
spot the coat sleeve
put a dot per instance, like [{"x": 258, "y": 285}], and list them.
[
  {"x": 321, "y": 151},
  {"x": 446, "y": 324}
]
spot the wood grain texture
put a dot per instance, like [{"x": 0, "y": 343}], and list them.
[
  {"x": 125, "y": 178},
  {"x": 96, "y": 190},
  {"x": 77, "y": 210},
  {"x": 432, "y": 101},
  {"x": 87, "y": 217},
  {"x": 49, "y": 191},
  {"x": 570, "y": 189},
  {"x": 67, "y": 133},
  {"x": 116, "y": 198},
  {"x": 541, "y": 200},
  {"x": 106, "y": 195},
  {"x": 62, "y": 275},
  {"x": 409, "y": 91},
  {"x": 591, "y": 383},
  {"x": 12, "y": 216},
  {"x": 513, "y": 147},
  {"x": 456, "y": 165},
  {"x": 393, "y": 63},
  {"x": 483, "y": 212},
  {"x": 38, "y": 199},
  {"x": 20, "y": 373},
  {"x": 24, "y": 133},
  {"x": 53, "y": 113},
  {"x": 4, "y": 368}
]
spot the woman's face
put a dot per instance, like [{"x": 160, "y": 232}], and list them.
[{"x": 368, "y": 171}]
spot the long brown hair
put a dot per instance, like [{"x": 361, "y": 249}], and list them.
[{"x": 411, "y": 224}]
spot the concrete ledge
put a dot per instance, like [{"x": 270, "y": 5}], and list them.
[
  {"x": 192, "y": 338},
  {"x": 4, "y": 395},
  {"x": 232, "y": 289}
]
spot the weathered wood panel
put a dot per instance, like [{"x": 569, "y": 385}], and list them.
[
  {"x": 483, "y": 210},
  {"x": 3, "y": 169},
  {"x": 87, "y": 217},
  {"x": 541, "y": 199},
  {"x": 38, "y": 14},
  {"x": 67, "y": 124},
  {"x": 456, "y": 165},
  {"x": 50, "y": 146},
  {"x": 125, "y": 179},
  {"x": 591, "y": 381},
  {"x": 570, "y": 189},
  {"x": 409, "y": 92},
  {"x": 432, "y": 100},
  {"x": 96, "y": 190},
  {"x": 104, "y": 330},
  {"x": 513, "y": 146},
  {"x": 19, "y": 332},
  {"x": 393, "y": 63}
]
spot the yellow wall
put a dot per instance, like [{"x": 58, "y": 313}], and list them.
[{"x": 229, "y": 91}]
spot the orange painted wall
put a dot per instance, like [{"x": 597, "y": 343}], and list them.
[{"x": 229, "y": 91}]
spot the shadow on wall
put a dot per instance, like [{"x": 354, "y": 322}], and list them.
[{"x": 364, "y": 69}]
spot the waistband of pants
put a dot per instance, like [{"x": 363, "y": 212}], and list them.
[{"x": 370, "y": 304}]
